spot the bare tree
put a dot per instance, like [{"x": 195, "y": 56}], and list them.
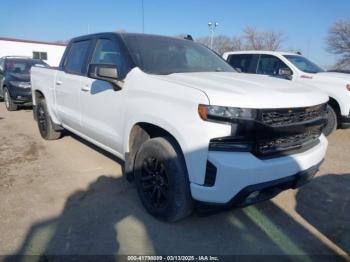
[
  {"x": 262, "y": 40},
  {"x": 272, "y": 40},
  {"x": 120, "y": 30},
  {"x": 253, "y": 38},
  {"x": 222, "y": 43},
  {"x": 181, "y": 36},
  {"x": 338, "y": 42},
  {"x": 237, "y": 43},
  {"x": 205, "y": 40}
]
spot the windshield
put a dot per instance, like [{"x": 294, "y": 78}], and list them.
[
  {"x": 304, "y": 64},
  {"x": 165, "y": 55},
  {"x": 22, "y": 66}
]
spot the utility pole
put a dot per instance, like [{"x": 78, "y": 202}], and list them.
[
  {"x": 143, "y": 17},
  {"x": 212, "y": 27}
]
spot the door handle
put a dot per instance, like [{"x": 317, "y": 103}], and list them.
[
  {"x": 58, "y": 82},
  {"x": 85, "y": 88}
]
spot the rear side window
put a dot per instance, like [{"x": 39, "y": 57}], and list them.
[
  {"x": 270, "y": 65},
  {"x": 242, "y": 63},
  {"x": 77, "y": 57}
]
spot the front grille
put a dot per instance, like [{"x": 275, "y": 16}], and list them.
[
  {"x": 288, "y": 143},
  {"x": 276, "y": 132},
  {"x": 283, "y": 117}
]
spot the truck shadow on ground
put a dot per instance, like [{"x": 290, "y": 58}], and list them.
[
  {"x": 328, "y": 199},
  {"x": 108, "y": 219}
]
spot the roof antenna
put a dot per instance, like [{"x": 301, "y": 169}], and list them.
[{"x": 188, "y": 37}]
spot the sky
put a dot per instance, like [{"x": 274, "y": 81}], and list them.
[{"x": 305, "y": 23}]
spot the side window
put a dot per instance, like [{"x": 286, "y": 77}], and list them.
[
  {"x": 270, "y": 65},
  {"x": 40, "y": 55},
  {"x": 77, "y": 57},
  {"x": 242, "y": 63},
  {"x": 108, "y": 51}
]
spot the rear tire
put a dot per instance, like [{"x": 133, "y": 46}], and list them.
[
  {"x": 10, "y": 106},
  {"x": 162, "y": 180},
  {"x": 45, "y": 124},
  {"x": 332, "y": 121}
]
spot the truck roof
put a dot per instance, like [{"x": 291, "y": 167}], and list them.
[
  {"x": 120, "y": 34},
  {"x": 259, "y": 52},
  {"x": 16, "y": 57}
]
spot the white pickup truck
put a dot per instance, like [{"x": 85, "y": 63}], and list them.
[
  {"x": 190, "y": 129},
  {"x": 297, "y": 68}
]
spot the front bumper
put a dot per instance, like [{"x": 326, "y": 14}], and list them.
[
  {"x": 21, "y": 96},
  {"x": 344, "y": 122},
  {"x": 23, "y": 100},
  {"x": 237, "y": 171}
]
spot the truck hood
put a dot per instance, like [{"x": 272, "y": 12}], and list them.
[
  {"x": 250, "y": 91},
  {"x": 18, "y": 77}
]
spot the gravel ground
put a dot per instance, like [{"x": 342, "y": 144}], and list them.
[{"x": 68, "y": 197}]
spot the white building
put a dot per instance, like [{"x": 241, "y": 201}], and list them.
[{"x": 51, "y": 53}]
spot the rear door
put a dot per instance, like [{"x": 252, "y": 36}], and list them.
[
  {"x": 103, "y": 107},
  {"x": 2, "y": 71},
  {"x": 69, "y": 83},
  {"x": 245, "y": 63}
]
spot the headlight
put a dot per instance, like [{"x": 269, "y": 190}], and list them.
[
  {"x": 226, "y": 114},
  {"x": 21, "y": 84}
]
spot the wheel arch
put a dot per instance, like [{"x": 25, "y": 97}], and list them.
[
  {"x": 335, "y": 105},
  {"x": 148, "y": 130},
  {"x": 38, "y": 95},
  {"x": 139, "y": 133}
]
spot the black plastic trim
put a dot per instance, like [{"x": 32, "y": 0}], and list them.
[
  {"x": 344, "y": 122},
  {"x": 210, "y": 174},
  {"x": 268, "y": 190}
]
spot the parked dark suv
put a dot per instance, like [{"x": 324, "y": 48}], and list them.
[{"x": 15, "y": 87}]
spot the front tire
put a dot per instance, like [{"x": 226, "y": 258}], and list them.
[
  {"x": 162, "y": 180},
  {"x": 9, "y": 104},
  {"x": 332, "y": 121},
  {"x": 45, "y": 124}
]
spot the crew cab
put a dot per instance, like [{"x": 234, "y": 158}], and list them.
[
  {"x": 297, "y": 68},
  {"x": 14, "y": 80},
  {"x": 190, "y": 129}
]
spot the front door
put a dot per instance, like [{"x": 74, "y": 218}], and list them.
[{"x": 102, "y": 107}]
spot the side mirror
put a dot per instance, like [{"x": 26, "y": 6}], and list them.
[
  {"x": 105, "y": 72},
  {"x": 285, "y": 73}
]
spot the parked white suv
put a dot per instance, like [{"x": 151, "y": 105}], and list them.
[
  {"x": 297, "y": 68},
  {"x": 189, "y": 128}
]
